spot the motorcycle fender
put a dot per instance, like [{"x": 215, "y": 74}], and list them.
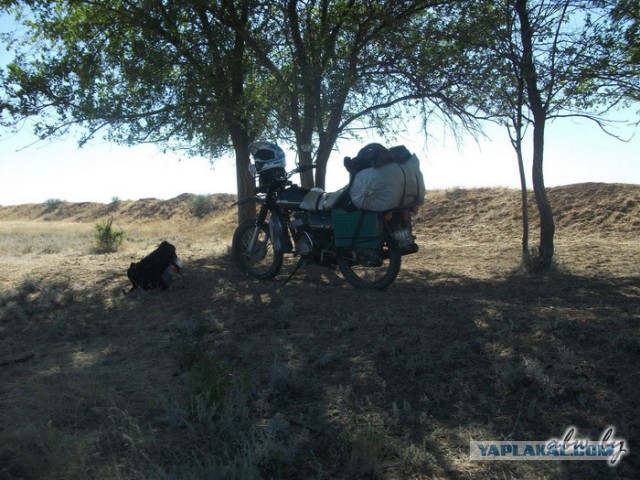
[
  {"x": 279, "y": 237},
  {"x": 246, "y": 200}
]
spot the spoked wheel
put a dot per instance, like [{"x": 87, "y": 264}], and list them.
[
  {"x": 261, "y": 262},
  {"x": 373, "y": 269}
]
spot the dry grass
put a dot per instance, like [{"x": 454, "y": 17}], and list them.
[{"x": 225, "y": 377}]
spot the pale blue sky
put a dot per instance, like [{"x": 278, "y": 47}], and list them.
[{"x": 576, "y": 151}]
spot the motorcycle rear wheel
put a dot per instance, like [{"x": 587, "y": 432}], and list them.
[
  {"x": 262, "y": 263},
  {"x": 373, "y": 269}
]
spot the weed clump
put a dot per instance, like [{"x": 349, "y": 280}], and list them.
[
  {"x": 216, "y": 411},
  {"x": 532, "y": 263},
  {"x": 202, "y": 205},
  {"x": 114, "y": 204},
  {"x": 53, "y": 203},
  {"x": 108, "y": 239}
]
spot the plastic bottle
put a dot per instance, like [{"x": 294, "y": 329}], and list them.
[{"x": 171, "y": 271}]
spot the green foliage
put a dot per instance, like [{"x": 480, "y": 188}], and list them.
[
  {"x": 201, "y": 76},
  {"x": 135, "y": 71},
  {"x": 115, "y": 203},
  {"x": 52, "y": 203},
  {"x": 209, "y": 379},
  {"x": 108, "y": 239},
  {"x": 193, "y": 75},
  {"x": 335, "y": 70},
  {"x": 534, "y": 263},
  {"x": 626, "y": 15},
  {"x": 580, "y": 53},
  {"x": 202, "y": 205}
]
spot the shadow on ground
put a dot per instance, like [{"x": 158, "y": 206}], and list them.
[{"x": 226, "y": 377}]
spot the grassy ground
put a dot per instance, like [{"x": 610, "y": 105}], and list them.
[{"x": 226, "y": 377}]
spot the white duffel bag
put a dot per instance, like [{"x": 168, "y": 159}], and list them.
[{"x": 394, "y": 185}]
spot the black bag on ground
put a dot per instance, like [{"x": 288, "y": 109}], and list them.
[{"x": 147, "y": 273}]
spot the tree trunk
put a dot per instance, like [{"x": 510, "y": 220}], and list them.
[
  {"x": 517, "y": 145},
  {"x": 303, "y": 129},
  {"x": 321, "y": 173},
  {"x": 245, "y": 181},
  {"x": 304, "y": 137},
  {"x": 328, "y": 136},
  {"x": 538, "y": 109},
  {"x": 306, "y": 178},
  {"x": 237, "y": 123},
  {"x": 516, "y": 142},
  {"x": 246, "y": 186},
  {"x": 324, "y": 152},
  {"x": 547, "y": 225},
  {"x": 525, "y": 212}
]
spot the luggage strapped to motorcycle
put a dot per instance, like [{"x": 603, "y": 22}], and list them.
[
  {"x": 359, "y": 228},
  {"x": 356, "y": 234}
]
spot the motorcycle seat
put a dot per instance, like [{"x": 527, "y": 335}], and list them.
[{"x": 317, "y": 200}]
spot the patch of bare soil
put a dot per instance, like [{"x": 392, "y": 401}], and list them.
[{"x": 226, "y": 377}]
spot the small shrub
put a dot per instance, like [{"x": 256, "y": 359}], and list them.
[
  {"x": 53, "y": 203},
  {"x": 208, "y": 383},
  {"x": 108, "y": 239},
  {"x": 115, "y": 203},
  {"x": 533, "y": 264},
  {"x": 202, "y": 205}
]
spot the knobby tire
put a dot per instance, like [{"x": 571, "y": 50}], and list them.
[
  {"x": 263, "y": 263},
  {"x": 358, "y": 275}
]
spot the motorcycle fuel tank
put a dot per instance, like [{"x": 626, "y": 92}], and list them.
[{"x": 291, "y": 197}]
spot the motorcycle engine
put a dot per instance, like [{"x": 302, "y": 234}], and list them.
[{"x": 304, "y": 244}]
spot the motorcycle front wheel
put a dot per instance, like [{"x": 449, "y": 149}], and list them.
[
  {"x": 373, "y": 269},
  {"x": 261, "y": 262}
]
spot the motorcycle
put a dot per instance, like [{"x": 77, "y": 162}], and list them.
[{"x": 318, "y": 227}]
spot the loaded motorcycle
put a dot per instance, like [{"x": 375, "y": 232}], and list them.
[{"x": 318, "y": 227}]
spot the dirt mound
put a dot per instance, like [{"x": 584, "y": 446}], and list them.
[
  {"x": 589, "y": 207},
  {"x": 181, "y": 207},
  {"x": 600, "y": 207}
]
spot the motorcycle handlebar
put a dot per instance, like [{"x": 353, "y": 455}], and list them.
[
  {"x": 300, "y": 169},
  {"x": 285, "y": 177}
]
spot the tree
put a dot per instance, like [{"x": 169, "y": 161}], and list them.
[
  {"x": 166, "y": 72},
  {"x": 539, "y": 110},
  {"x": 626, "y": 18},
  {"x": 560, "y": 58},
  {"x": 337, "y": 64},
  {"x": 181, "y": 74}
]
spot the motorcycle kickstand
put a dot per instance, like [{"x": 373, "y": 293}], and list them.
[{"x": 295, "y": 269}]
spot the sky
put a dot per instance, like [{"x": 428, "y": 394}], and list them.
[
  {"x": 34, "y": 171},
  {"x": 31, "y": 172}
]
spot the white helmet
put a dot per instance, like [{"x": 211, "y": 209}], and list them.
[{"x": 267, "y": 156}]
